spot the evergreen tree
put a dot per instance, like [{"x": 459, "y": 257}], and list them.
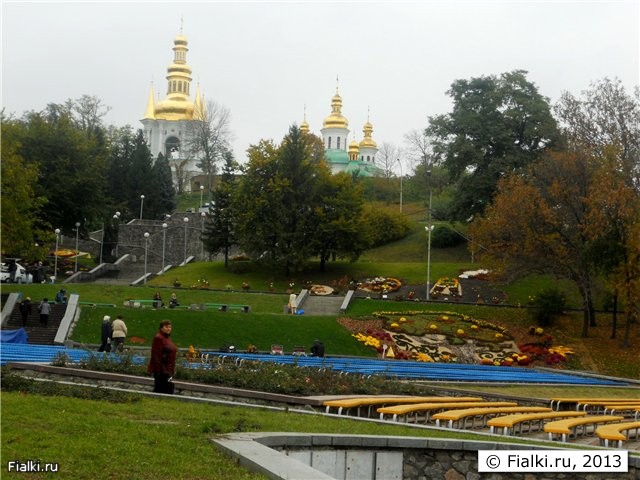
[
  {"x": 162, "y": 198},
  {"x": 140, "y": 176},
  {"x": 220, "y": 227}
]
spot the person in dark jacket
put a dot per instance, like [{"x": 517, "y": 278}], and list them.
[
  {"x": 105, "y": 334},
  {"x": 317, "y": 349},
  {"x": 163, "y": 359},
  {"x": 25, "y": 310}
]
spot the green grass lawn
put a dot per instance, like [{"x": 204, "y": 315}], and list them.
[{"x": 152, "y": 438}]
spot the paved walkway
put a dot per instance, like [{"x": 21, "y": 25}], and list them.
[{"x": 322, "y": 305}]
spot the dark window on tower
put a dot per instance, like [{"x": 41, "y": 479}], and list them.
[
  {"x": 338, "y": 141},
  {"x": 329, "y": 143}
]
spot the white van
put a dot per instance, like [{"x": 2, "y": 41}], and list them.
[{"x": 21, "y": 274}]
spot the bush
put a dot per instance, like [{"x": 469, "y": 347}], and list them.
[
  {"x": 547, "y": 306},
  {"x": 444, "y": 237},
  {"x": 385, "y": 226}
]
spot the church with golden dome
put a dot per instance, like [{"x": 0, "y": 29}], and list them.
[
  {"x": 166, "y": 123},
  {"x": 354, "y": 157}
]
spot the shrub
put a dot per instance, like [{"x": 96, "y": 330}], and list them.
[
  {"x": 547, "y": 306},
  {"x": 444, "y": 237}
]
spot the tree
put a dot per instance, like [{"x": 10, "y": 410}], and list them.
[
  {"x": 220, "y": 227},
  {"x": 605, "y": 122},
  {"x": 208, "y": 137},
  {"x": 287, "y": 203},
  {"x": 23, "y": 233},
  {"x": 387, "y": 158},
  {"x": 499, "y": 125},
  {"x": 605, "y": 116},
  {"x": 419, "y": 148},
  {"x": 339, "y": 231},
  {"x": 539, "y": 222},
  {"x": 162, "y": 196},
  {"x": 71, "y": 165},
  {"x": 140, "y": 176}
]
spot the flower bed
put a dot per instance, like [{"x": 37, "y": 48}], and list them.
[{"x": 380, "y": 285}]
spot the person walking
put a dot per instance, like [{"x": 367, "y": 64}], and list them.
[
  {"x": 163, "y": 359},
  {"x": 118, "y": 334},
  {"x": 45, "y": 311},
  {"x": 292, "y": 303},
  {"x": 25, "y": 310},
  {"x": 105, "y": 334}
]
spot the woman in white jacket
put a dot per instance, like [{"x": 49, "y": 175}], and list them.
[{"x": 118, "y": 334}]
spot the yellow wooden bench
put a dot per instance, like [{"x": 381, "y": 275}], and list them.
[
  {"x": 509, "y": 423},
  {"x": 576, "y": 400},
  {"x": 427, "y": 408},
  {"x": 621, "y": 407},
  {"x": 460, "y": 416},
  {"x": 599, "y": 405},
  {"x": 613, "y": 432},
  {"x": 348, "y": 403},
  {"x": 569, "y": 426}
]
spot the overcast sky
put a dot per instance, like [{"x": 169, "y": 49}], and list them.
[{"x": 266, "y": 60}]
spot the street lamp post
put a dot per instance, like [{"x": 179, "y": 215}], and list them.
[
  {"x": 102, "y": 243},
  {"x": 116, "y": 222},
  {"x": 55, "y": 262},
  {"x": 401, "y": 175},
  {"x": 141, "y": 204},
  {"x": 146, "y": 249},
  {"x": 429, "y": 227},
  {"x": 186, "y": 221},
  {"x": 201, "y": 192},
  {"x": 164, "y": 241},
  {"x": 77, "y": 233},
  {"x": 202, "y": 215}
]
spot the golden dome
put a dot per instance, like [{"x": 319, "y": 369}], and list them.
[
  {"x": 172, "y": 109},
  {"x": 336, "y": 119},
  {"x": 304, "y": 127},
  {"x": 353, "y": 151},
  {"x": 368, "y": 142}
]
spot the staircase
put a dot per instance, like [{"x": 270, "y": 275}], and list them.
[
  {"x": 38, "y": 335},
  {"x": 322, "y": 305}
]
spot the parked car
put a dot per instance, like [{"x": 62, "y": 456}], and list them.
[{"x": 21, "y": 273}]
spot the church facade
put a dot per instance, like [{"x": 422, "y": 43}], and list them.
[
  {"x": 356, "y": 158},
  {"x": 166, "y": 123}
]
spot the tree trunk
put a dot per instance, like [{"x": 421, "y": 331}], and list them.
[
  {"x": 614, "y": 319},
  {"x": 585, "y": 312}
]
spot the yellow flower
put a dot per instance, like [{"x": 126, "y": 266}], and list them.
[
  {"x": 433, "y": 326},
  {"x": 402, "y": 319},
  {"x": 423, "y": 357},
  {"x": 539, "y": 331},
  {"x": 444, "y": 317},
  {"x": 460, "y": 331},
  {"x": 474, "y": 327},
  {"x": 394, "y": 325},
  {"x": 499, "y": 335}
]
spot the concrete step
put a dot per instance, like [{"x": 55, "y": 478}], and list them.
[{"x": 322, "y": 305}]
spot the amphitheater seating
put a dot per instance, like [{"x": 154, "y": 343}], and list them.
[
  {"x": 460, "y": 416},
  {"x": 428, "y": 371},
  {"x": 620, "y": 408},
  {"x": 345, "y": 404},
  {"x": 413, "y": 410},
  {"x": 515, "y": 423},
  {"x": 596, "y": 406},
  {"x": 614, "y": 433},
  {"x": 576, "y": 400},
  {"x": 568, "y": 427},
  {"x": 11, "y": 352}
]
